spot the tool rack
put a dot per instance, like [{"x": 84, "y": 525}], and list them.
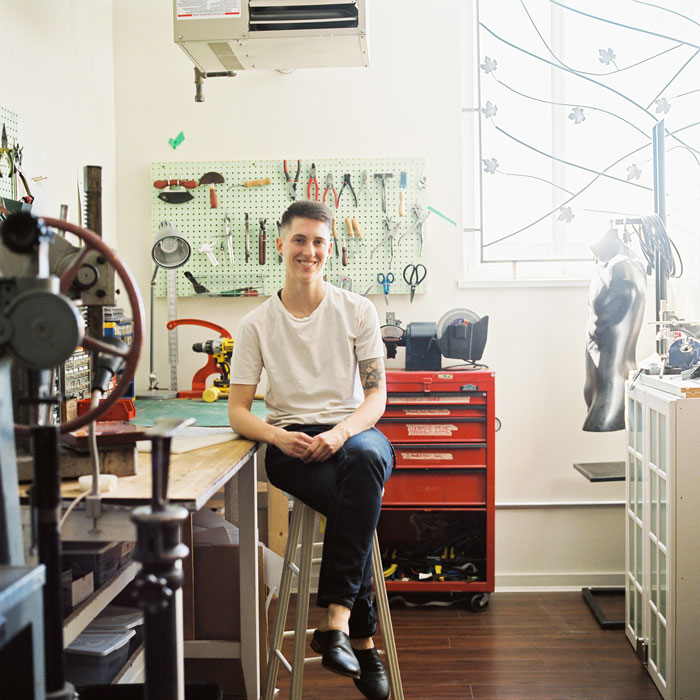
[
  {"x": 437, "y": 519},
  {"x": 197, "y": 221}
]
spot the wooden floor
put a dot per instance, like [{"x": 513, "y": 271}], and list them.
[{"x": 524, "y": 646}]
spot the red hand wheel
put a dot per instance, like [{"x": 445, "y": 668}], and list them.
[{"x": 54, "y": 308}]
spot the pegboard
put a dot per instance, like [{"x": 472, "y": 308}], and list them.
[
  {"x": 8, "y": 186},
  {"x": 199, "y": 223}
]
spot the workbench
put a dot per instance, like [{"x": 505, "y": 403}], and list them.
[{"x": 194, "y": 478}]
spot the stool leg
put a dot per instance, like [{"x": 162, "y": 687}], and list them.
[
  {"x": 302, "y": 615},
  {"x": 282, "y": 604},
  {"x": 392, "y": 658}
]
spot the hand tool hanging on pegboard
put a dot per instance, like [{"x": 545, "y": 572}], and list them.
[
  {"x": 173, "y": 192},
  {"x": 330, "y": 188},
  {"x": 334, "y": 230},
  {"x": 229, "y": 238},
  {"x": 262, "y": 241},
  {"x": 348, "y": 184},
  {"x": 392, "y": 228},
  {"x": 5, "y": 156},
  {"x": 212, "y": 178},
  {"x": 413, "y": 275},
  {"x": 292, "y": 184},
  {"x": 279, "y": 233},
  {"x": 247, "y": 237},
  {"x": 382, "y": 177},
  {"x": 421, "y": 216},
  {"x": 313, "y": 182},
  {"x": 198, "y": 288}
]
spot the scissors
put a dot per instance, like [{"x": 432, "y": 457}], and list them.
[
  {"x": 413, "y": 275},
  {"x": 385, "y": 281}
]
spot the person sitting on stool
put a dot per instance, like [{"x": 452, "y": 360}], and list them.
[{"x": 322, "y": 350}]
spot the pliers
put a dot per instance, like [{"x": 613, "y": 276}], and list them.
[
  {"x": 329, "y": 186},
  {"x": 6, "y": 152},
  {"x": 312, "y": 181},
  {"x": 347, "y": 183},
  {"x": 292, "y": 184},
  {"x": 392, "y": 228}
]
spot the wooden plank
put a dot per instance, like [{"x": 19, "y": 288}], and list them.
[
  {"x": 277, "y": 519},
  {"x": 188, "y": 582}
]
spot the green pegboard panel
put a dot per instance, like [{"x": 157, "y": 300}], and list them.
[
  {"x": 8, "y": 186},
  {"x": 201, "y": 224}
]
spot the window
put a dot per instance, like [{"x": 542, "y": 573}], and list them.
[{"x": 560, "y": 100}]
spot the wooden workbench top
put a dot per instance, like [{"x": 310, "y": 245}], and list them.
[{"x": 194, "y": 476}]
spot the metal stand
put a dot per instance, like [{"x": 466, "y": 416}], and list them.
[
  {"x": 153, "y": 392},
  {"x": 47, "y": 502},
  {"x": 159, "y": 583},
  {"x": 589, "y": 596}
]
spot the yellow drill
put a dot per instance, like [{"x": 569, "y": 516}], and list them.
[{"x": 221, "y": 350}]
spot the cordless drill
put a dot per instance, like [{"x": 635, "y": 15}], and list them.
[{"x": 221, "y": 350}]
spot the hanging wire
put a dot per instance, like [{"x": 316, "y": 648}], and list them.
[{"x": 653, "y": 238}]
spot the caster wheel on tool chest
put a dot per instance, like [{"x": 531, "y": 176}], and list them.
[{"x": 479, "y": 602}]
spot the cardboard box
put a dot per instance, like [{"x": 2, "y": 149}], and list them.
[
  {"x": 217, "y": 592},
  {"x": 217, "y": 612}
]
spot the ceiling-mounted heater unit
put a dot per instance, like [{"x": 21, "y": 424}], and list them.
[{"x": 227, "y": 36}]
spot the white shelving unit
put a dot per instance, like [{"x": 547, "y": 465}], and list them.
[
  {"x": 88, "y": 610},
  {"x": 662, "y": 526}
]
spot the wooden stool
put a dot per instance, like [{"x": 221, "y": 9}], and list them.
[{"x": 302, "y": 528}]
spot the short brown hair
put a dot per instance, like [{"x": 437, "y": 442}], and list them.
[{"x": 305, "y": 209}]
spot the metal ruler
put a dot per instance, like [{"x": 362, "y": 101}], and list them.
[{"x": 171, "y": 294}]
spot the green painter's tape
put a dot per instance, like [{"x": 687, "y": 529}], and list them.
[
  {"x": 177, "y": 140},
  {"x": 441, "y": 215}
]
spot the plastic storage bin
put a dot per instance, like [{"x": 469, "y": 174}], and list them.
[
  {"x": 119, "y": 618},
  {"x": 96, "y": 657},
  {"x": 102, "y": 558}
]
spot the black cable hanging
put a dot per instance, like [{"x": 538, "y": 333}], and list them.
[{"x": 653, "y": 238}]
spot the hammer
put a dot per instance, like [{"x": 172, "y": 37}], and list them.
[{"x": 383, "y": 177}]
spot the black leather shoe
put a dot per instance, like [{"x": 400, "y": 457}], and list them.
[
  {"x": 336, "y": 653},
  {"x": 373, "y": 682}
]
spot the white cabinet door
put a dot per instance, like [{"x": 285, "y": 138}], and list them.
[
  {"x": 659, "y": 474},
  {"x": 634, "y": 520},
  {"x": 662, "y": 522}
]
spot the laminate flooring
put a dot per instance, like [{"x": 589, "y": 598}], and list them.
[{"x": 524, "y": 646}]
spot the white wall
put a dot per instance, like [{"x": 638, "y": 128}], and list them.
[
  {"x": 405, "y": 104},
  {"x": 59, "y": 78}
]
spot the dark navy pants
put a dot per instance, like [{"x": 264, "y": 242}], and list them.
[{"x": 347, "y": 489}]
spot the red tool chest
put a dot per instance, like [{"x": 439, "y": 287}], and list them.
[{"x": 436, "y": 528}]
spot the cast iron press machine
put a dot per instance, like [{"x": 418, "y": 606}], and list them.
[{"x": 40, "y": 326}]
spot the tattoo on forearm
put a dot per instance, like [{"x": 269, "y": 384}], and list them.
[{"x": 371, "y": 373}]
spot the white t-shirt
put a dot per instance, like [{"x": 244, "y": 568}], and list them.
[{"x": 311, "y": 362}]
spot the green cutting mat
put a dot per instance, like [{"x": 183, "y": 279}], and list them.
[{"x": 212, "y": 415}]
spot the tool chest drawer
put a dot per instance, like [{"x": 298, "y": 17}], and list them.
[
  {"x": 435, "y": 487},
  {"x": 434, "y": 430},
  {"x": 466, "y": 383},
  {"x": 434, "y": 401},
  {"x": 425, "y": 455},
  {"x": 433, "y": 412}
]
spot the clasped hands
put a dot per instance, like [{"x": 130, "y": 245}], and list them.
[{"x": 312, "y": 449}]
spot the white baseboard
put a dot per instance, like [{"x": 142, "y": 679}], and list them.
[{"x": 557, "y": 581}]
